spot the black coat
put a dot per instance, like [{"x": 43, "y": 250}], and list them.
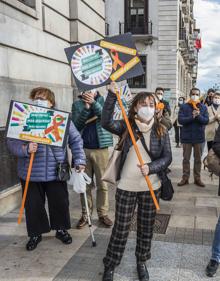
[
  {"x": 159, "y": 147},
  {"x": 216, "y": 143}
]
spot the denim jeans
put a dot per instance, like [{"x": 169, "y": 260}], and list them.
[{"x": 216, "y": 243}]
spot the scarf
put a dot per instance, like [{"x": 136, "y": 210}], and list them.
[
  {"x": 143, "y": 127},
  {"x": 194, "y": 104}
]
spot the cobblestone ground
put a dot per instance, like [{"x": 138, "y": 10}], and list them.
[{"x": 180, "y": 254}]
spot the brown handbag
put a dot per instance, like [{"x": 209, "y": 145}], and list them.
[
  {"x": 111, "y": 171},
  {"x": 212, "y": 162}
]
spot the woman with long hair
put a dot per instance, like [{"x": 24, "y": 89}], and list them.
[{"x": 154, "y": 145}]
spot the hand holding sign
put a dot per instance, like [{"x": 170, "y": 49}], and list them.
[{"x": 32, "y": 147}]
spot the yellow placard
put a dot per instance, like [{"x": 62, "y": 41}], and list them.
[
  {"x": 34, "y": 139},
  {"x": 118, "y": 48},
  {"x": 117, "y": 74}
]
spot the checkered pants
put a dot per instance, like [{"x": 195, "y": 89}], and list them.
[{"x": 125, "y": 206}]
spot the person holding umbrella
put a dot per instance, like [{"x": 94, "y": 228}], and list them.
[{"x": 154, "y": 145}]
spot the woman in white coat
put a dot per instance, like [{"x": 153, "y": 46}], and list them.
[{"x": 214, "y": 119}]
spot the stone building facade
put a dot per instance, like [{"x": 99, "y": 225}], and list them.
[
  {"x": 164, "y": 32},
  {"x": 33, "y": 35}
]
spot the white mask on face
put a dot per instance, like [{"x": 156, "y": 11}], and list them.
[
  {"x": 160, "y": 97},
  {"x": 216, "y": 101},
  {"x": 146, "y": 113},
  {"x": 195, "y": 98},
  {"x": 40, "y": 102}
]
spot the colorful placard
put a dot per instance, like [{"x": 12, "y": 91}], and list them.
[
  {"x": 98, "y": 63},
  {"x": 126, "y": 97},
  {"x": 38, "y": 124}
]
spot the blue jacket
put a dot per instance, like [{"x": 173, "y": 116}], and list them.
[
  {"x": 44, "y": 165},
  {"x": 193, "y": 130}
]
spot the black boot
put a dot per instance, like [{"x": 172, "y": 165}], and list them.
[
  {"x": 32, "y": 243},
  {"x": 108, "y": 274},
  {"x": 64, "y": 236},
  {"x": 142, "y": 271}
]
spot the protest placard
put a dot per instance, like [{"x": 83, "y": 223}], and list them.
[
  {"x": 38, "y": 124},
  {"x": 98, "y": 63}
]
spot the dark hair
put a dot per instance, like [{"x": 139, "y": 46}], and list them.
[
  {"x": 140, "y": 98},
  {"x": 159, "y": 89},
  {"x": 194, "y": 89},
  {"x": 48, "y": 94},
  {"x": 211, "y": 90},
  {"x": 182, "y": 98}
]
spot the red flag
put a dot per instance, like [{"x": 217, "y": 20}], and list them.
[{"x": 198, "y": 43}]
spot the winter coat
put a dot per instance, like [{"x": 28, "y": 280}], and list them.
[
  {"x": 80, "y": 115},
  {"x": 193, "y": 130},
  {"x": 216, "y": 143},
  {"x": 213, "y": 124},
  {"x": 47, "y": 157},
  {"x": 159, "y": 147}
]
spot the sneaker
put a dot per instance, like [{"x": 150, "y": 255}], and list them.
[
  {"x": 142, "y": 271},
  {"x": 211, "y": 268},
  {"x": 108, "y": 275},
  {"x": 106, "y": 221},
  {"x": 33, "y": 242},
  {"x": 82, "y": 222},
  {"x": 64, "y": 236}
]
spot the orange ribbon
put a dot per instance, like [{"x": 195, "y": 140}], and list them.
[
  {"x": 54, "y": 128},
  {"x": 160, "y": 106},
  {"x": 117, "y": 61}
]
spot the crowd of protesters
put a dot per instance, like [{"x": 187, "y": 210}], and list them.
[{"x": 90, "y": 135}]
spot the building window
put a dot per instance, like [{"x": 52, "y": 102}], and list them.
[
  {"x": 136, "y": 16},
  {"x": 139, "y": 81},
  {"x": 30, "y": 3}
]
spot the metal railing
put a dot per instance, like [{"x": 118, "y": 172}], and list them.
[{"x": 144, "y": 28}]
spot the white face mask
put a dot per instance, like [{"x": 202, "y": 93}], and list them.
[
  {"x": 40, "y": 102},
  {"x": 216, "y": 101},
  {"x": 160, "y": 97},
  {"x": 146, "y": 113},
  {"x": 180, "y": 102},
  {"x": 195, "y": 98}
]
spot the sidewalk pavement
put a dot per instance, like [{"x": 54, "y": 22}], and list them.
[{"x": 181, "y": 254}]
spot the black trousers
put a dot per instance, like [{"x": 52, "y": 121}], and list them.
[
  {"x": 58, "y": 204},
  {"x": 126, "y": 202},
  {"x": 177, "y": 132},
  {"x": 209, "y": 144}
]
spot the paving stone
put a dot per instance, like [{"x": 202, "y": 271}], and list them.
[{"x": 181, "y": 221}]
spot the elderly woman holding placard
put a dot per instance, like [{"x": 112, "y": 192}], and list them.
[{"x": 44, "y": 182}]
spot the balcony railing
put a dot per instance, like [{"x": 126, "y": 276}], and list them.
[{"x": 144, "y": 28}]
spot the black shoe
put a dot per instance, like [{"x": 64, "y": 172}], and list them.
[
  {"x": 64, "y": 236},
  {"x": 211, "y": 268},
  {"x": 108, "y": 274},
  {"x": 32, "y": 243},
  {"x": 142, "y": 271}
]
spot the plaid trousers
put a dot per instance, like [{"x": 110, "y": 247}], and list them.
[{"x": 146, "y": 212}]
